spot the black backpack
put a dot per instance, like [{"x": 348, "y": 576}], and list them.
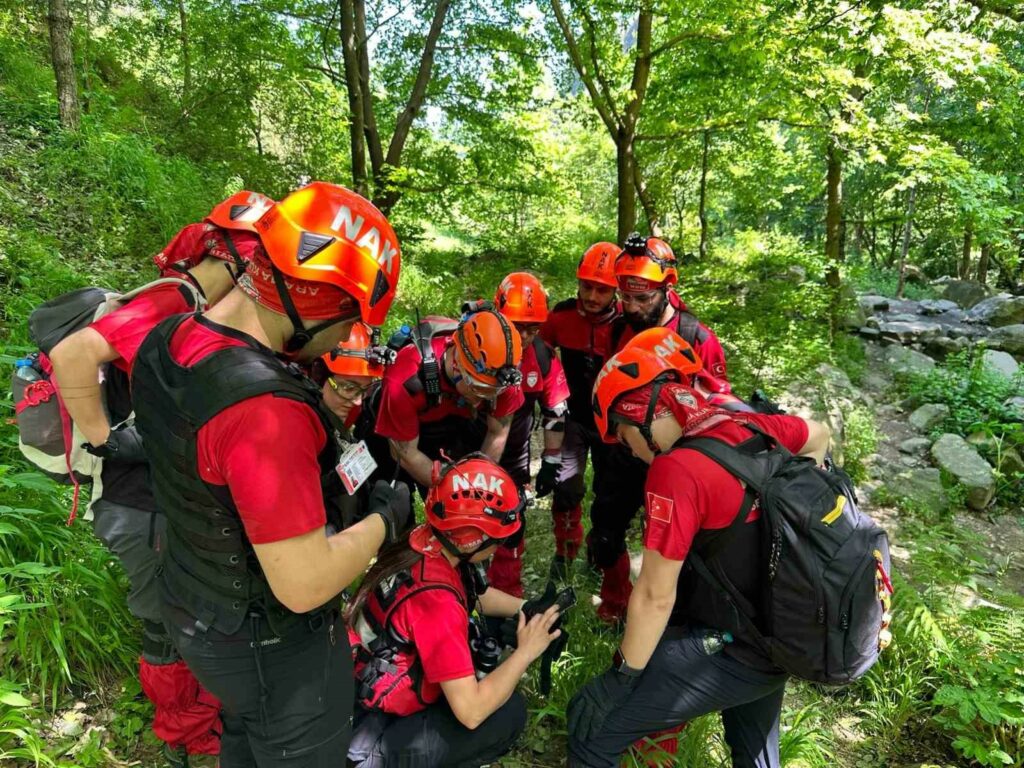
[{"x": 824, "y": 608}]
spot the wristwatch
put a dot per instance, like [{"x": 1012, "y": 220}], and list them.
[{"x": 619, "y": 665}]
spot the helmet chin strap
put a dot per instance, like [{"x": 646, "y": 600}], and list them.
[{"x": 302, "y": 335}]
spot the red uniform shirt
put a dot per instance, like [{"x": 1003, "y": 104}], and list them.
[
  {"x": 438, "y": 625},
  {"x": 125, "y": 328},
  {"x": 584, "y": 343},
  {"x": 687, "y": 492},
  {"x": 403, "y": 403},
  {"x": 264, "y": 450},
  {"x": 550, "y": 390},
  {"x": 706, "y": 345}
]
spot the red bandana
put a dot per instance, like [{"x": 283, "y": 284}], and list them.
[
  {"x": 693, "y": 412},
  {"x": 313, "y": 301}
]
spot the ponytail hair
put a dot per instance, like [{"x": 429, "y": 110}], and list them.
[{"x": 393, "y": 558}]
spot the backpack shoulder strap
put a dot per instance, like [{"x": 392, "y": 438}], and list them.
[
  {"x": 543, "y": 353},
  {"x": 687, "y": 326},
  {"x": 753, "y": 461}
]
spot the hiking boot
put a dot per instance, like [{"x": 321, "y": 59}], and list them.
[
  {"x": 175, "y": 757},
  {"x": 611, "y": 614}
]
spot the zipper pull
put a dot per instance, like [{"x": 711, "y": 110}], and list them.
[
  {"x": 821, "y": 614},
  {"x": 330, "y": 632}
]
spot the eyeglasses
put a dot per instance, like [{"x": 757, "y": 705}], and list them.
[
  {"x": 347, "y": 389},
  {"x": 640, "y": 298},
  {"x": 483, "y": 391}
]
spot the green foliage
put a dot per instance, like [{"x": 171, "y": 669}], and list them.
[{"x": 861, "y": 437}]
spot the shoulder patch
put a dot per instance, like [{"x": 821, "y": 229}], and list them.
[{"x": 659, "y": 508}]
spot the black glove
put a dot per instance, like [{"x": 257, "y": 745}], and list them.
[
  {"x": 548, "y": 475},
  {"x": 124, "y": 444},
  {"x": 566, "y": 599},
  {"x": 394, "y": 506},
  {"x": 592, "y": 704}
]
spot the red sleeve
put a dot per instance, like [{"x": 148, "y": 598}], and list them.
[
  {"x": 271, "y": 472},
  {"x": 713, "y": 357},
  {"x": 397, "y": 418},
  {"x": 672, "y": 506},
  {"x": 548, "y": 330},
  {"x": 126, "y": 328},
  {"x": 508, "y": 402},
  {"x": 791, "y": 431},
  {"x": 440, "y": 631},
  {"x": 556, "y": 388}
]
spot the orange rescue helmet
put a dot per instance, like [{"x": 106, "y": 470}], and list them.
[
  {"x": 358, "y": 356},
  {"x": 240, "y": 211},
  {"x": 597, "y": 265},
  {"x": 670, "y": 347},
  {"x": 521, "y": 299},
  {"x": 324, "y": 233},
  {"x": 629, "y": 369},
  {"x": 645, "y": 263},
  {"x": 488, "y": 349}
]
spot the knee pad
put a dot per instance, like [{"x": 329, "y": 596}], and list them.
[
  {"x": 604, "y": 547},
  {"x": 569, "y": 493},
  {"x": 157, "y": 648}
]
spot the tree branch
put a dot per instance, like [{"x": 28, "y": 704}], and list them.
[
  {"x": 641, "y": 68},
  {"x": 577, "y": 60},
  {"x": 682, "y": 37},
  {"x": 602, "y": 81},
  {"x": 373, "y": 143}
]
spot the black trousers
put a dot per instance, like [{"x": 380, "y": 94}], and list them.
[
  {"x": 287, "y": 700},
  {"x": 619, "y": 480},
  {"x": 434, "y": 737},
  {"x": 680, "y": 683}
]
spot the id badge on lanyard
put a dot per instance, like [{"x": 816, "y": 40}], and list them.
[{"x": 355, "y": 466}]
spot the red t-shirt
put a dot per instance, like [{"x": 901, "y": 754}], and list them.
[
  {"x": 438, "y": 626},
  {"x": 551, "y": 390},
  {"x": 126, "y": 328},
  {"x": 401, "y": 411},
  {"x": 687, "y": 492},
  {"x": 264, "y": 450}
]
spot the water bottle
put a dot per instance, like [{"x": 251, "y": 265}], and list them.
[
  {"x": 714, "y": 641},
  {"x": 25, "y": 370}
]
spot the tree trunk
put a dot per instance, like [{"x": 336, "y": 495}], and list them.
[
  {"x": 646, "y": 200},
  {"x": 186, "y": 59},
  {"x": 983, "y": 259},
  {"x": 62, "y": 53},
  {"x": 905, "y": 248},
  {"x": 965, "y": 255},
  {"x": 833, "y": 214},
  {"x": 355, "y": 98},
  {"x": 627, "y": 192},
  {"x": 702, "y": 199},
  {"x": 373, "y": 141}
]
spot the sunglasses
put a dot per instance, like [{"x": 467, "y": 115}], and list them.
[{"x": 348, "y": 390}]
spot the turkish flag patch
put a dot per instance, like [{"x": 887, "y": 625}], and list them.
[
  {"x": 718, "y": 369},
  {"x": 659, "y": 508}
]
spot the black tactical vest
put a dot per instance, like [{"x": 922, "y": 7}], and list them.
[{"x": 209, "y": 567}]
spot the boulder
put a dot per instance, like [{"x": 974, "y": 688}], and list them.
[
  {"x": 908, "y": 361},
  {"x": 943, "y": 346},
  {"x": 957, "y": 457},
  {"x": 872, "y": 303},
  {"x": 1011, "y": 462},
  {"x": 853, "y": 318},
  {"x": 929, "y": 416},
  {"x": 1015, "y": 405},
  {"x": 923, "y": 486},
  {"x": 910, "y": 332},
  {"x": 936, "y": 306},
  {"x": 983, "y": 441},
  {"x": 915, "y": 446},
  {"x": 998, "y": 311},
  {"x": 1009, "y": 338},
  {"x": 966, "y": 293},
  {"x": 914, "y": 274},
  {"x": 1000, "y": 363},
  {"x": 903, "y": 317},
  {"x": 869, "y": 333}
]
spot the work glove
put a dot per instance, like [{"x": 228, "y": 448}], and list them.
[
  {"x": 548, "y": 475},
  {"x": 124, "y": 444},
  {"x": 592, "y": 704},
  {"x": 394, "y": 506},
  {"x": 566, "y": 598}
]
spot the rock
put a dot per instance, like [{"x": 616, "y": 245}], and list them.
[
  {"x": 936, "y": 306},
  {"x": 876, "y": 381},
  {"x": 966, "y": 293},
  {"x": 903, "y": 317},
  {"x": 872, "y": 303},
  {"x": 909, "y": 332},
  {"x": 1000, "y": 363},
  {"x": 872, "y": 322},
  {"x": 1011, "y": 462},
  {"x": 998, "y": 311},
  {"x": 911, "y": 403},
  {"x": 1009, "y": 338},
  {"x": 909, "y": 361},
  {"x": 943, "y": 346},
  {"x": 915, "y": 446},
  {"x": 929, "y": 416},
  {"x": 869, "y": 333},
  {"x": 983, "y": 441},
  {"x": 909, "y": 461},
  {"x": 914, "y": 274},
  {"x": 923, "y": 485},
  {"x": 1015, "y": 405},
  {"x": 855, "y": 317},
  {"x": 957, "y": 457}
]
